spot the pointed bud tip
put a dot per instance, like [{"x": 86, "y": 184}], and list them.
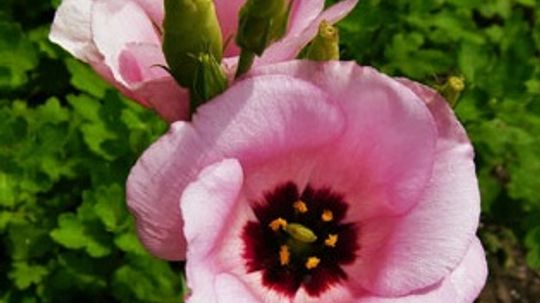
[{"x": 325, "y": 46}]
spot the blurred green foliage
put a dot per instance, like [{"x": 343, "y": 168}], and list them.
[
  {"x": 67, "y": 140},
  {"x": 67, "y": 143}
]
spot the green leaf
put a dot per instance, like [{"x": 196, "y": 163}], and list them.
[
  {"x": 7, "y": 190},
  {"x": 129, "y": 242},
  {"x": 51, "y": 112},
  {"x": 532, "y": 241},
  {"x": 146, "y": 280},
  {"x": 25, "y": 274},
  {"x": 109, "y": 205},
  {"x": 17, "y": 56},
  {"x": 74, "y": 234},
  {"x": 85, "y": 79}
]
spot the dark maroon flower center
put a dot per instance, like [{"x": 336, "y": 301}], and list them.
[{"x": 300, "y": 240}]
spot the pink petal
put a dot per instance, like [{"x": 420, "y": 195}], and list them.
[
  {"x": 380, "y": 168},
  {"x": 240, "y": 124},
  {"x": 390, "y": 170},
  {"x": 71, "y": 29},
  {"x": 448, "y": 127},
  {"x": 215, "y": 192},
  {"x": 161, "y": 94},
  {"x": 289, "y": 47},
  {"x": 227, "y": 11},
  {"x": 117, "y": 23},
  {"x": 164, "y": 96},
  {"x": 462, "y": 285},
  {"x": 207, "y": 203},
  {"x": 105, "y": 72},
  {"x": 154, "y": 9},
  {"x": 233, "y": 289},
  {"x": 303, "y": 13},
  {"x": 426, "y": 244},
  {"x": 139, "y": 62},
  {"x": 156, "y": 214}
]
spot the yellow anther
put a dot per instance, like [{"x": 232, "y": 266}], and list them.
[
  {"x": 284, "y": 255},
  {"x": 312, "y": 262},
  {"x": 331, "y": 240},
  {"x": 277, "y": 224},
  {"x": 300, "y": 206},
  {"x": 327, "y": 215}
]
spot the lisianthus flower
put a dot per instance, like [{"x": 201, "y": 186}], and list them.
[
  {"x": 121, "y": 40},
  {"x": 316, "y": 182}
]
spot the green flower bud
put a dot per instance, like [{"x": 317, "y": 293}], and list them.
[
  {"x": 190, "y": 27},
  {"x": 261, "y": 23},
  {"x": 325, "y": 46},
  {"x": 451, "y": 90},
  {"x": 210, "y": 80}
]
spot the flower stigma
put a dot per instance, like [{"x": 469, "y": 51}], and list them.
[{"x": 300, "y": 233}]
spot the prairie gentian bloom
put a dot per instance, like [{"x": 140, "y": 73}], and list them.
[
  {"x": 122, "y": 41},
  {"x": 316, "y": 182}
]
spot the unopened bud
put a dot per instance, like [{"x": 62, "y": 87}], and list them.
[
  {"x": 325, "y": 46},
  {"x": 210, "y": 79},
  {"x": 452, "y": 89},
  {"x": 261, "y": 22},
  {"x": 190, "y": 27}
]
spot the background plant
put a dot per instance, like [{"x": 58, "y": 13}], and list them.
[{"x": 67, "y": 142}]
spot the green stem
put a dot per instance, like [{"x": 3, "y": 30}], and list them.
[{"x": 245, "y": 62}]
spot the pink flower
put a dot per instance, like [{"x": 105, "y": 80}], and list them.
[
  {"x": 316, "y": 182},
  {"x": 121, "y": 40}
]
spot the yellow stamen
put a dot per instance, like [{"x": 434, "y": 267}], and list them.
[
  {"x": 277, "y": 224},
  {"x": 300, "y": 206},
  {"x": 312, "y": 262},
  {"x": 327, "y": 215},
  {"x": 331, "y": 240},
  {"x": 284, "y": 255}
]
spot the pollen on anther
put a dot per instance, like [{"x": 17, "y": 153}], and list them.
[
  {"x": 331, "y": 240},
  {"x": 312, "y": 262},
  {"x": 278, "y": 223},
  {"x": 300, "y": 206},
  {"x": 327, "y": 215},
  {"x": 284, "y": 255}
]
